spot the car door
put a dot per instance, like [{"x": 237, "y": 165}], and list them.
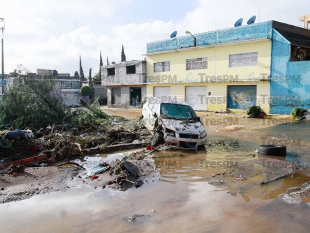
[{"x": 148, "y": 114}]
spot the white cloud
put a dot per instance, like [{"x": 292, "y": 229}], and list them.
[{"x": 52, "y": 34}]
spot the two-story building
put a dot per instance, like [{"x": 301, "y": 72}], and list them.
[
  {"x": 125, "y": 83},
  {"x": 259, "y": 64},
  {"x": 69, "y": 91}
]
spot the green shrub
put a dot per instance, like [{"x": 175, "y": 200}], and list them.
[
  {"x": 298, "y": 113},
  {"x": 85, "y": 90},
  {"x": 255, "y": 110}
]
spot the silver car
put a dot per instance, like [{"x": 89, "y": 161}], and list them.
[{"x": 176, "y": 121}]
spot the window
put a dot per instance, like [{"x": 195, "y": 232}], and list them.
[
  {"x": 111, "y": 71},
  {"x": 162, "y": 66},
  {"x": 197, "y": 63},
  {"x": 131, "y": 69},
  {"x": 243, "y": 59},
  {"x": 65, "y": 84}
]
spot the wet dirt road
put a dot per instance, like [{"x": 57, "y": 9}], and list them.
[{"x": 190, "y": 192}]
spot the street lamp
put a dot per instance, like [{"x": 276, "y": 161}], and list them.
[
  {"x": 188, "y": 32},
  {"x": 2, "y": 79}
]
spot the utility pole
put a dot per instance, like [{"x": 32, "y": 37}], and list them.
[{"x": 2, "y": 79}]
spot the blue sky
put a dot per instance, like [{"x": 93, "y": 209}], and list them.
[{"x": 52, "y": 34}]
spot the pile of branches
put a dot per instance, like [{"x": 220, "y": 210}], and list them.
[{"x": 59, "y": 142}]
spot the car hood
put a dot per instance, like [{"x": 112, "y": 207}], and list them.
[{"x": 180, "y": 126}]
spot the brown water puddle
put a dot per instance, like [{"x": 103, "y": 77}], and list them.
[{"x": 186, "y": 195}]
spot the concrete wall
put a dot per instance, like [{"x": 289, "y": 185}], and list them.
[
  {"x": 290, "y": 81},
  {"x": 237, "y": 34},
  {"x": 101, "y": 92},
  {"x": 121, "y": 77}
]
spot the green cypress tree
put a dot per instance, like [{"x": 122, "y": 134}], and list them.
[
  {"x": 123, "y": 56},
  {"x": 81, "y": 70},
  {"x": 100, "y": 65}
]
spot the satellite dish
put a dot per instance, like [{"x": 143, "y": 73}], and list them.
[
  {"x": 238, "y": 23},
  {"x": 173, "y": 34},
  {"x": 251, "y": 20}
]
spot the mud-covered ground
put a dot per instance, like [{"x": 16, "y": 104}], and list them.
[{"x": 41, "y": 180}]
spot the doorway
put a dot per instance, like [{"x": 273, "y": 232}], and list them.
[{"x": 135, "y": 96}]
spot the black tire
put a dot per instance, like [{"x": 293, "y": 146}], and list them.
[
  {"x": 158, "y": 138},
  {"x": 272, "y": 150}
]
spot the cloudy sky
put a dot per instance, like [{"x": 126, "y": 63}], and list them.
[{"x": 53, "y": 34}]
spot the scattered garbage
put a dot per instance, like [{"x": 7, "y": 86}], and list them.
[
  {"x": 24, "y": 161},
  {"x": 58, "y": 143},
  {"x": 300, "y": 114},
  {"x": 277, "y": 150},
  {"x": 14, "y": 169},
  {"x": 234, "y": 127},
  {"x": 95, "y": 170},
  {"x": 136, "y": 218},
  {"x": 150, "y": 147},
  {"x": 13, "y": 134}
]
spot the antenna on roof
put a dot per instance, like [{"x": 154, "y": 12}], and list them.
[
  {"x": 173, "y": 34},
  {"x": 238, "y": 23},
  {"x": 251, "y": 20}
]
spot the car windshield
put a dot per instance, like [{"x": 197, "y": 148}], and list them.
[{"x": 177, "y": 111}]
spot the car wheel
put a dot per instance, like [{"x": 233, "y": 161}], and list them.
[
  {"x": 158, "y": 138},
  {"x": 272, "y": 150}
]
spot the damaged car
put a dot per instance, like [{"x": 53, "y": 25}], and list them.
[{"x": 173, "y": 123}]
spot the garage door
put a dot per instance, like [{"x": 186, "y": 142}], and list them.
[
  {"x": 196, "y": 97},
  {"x": 162, "y": 93}
]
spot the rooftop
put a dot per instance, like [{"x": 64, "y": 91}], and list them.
[{"x": 241, "y": 34}]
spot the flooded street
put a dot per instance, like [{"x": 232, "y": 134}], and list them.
[{"x": 190, "y": 191}]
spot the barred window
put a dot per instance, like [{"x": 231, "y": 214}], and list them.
[
  {"x": 197, "y": 63},
  {"x": 162, "y": 66},
  {"x": 66, "y": 84},
  {"x": 243, "y": 59}
]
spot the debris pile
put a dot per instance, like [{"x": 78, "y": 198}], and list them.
[
  {"x": 255, "y": 112},
  {"x": 124, "y": 173},
  {"x": 300, "y": 114},
  {"x": 59, "y": 142}
]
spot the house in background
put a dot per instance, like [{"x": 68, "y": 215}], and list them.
[
  {"x": 125, "y": 83},
  {"x": 6, "y": 84},
  {"x": 67, "y": 87},
  {"x": 101, "y": 92},
  {"x": 263, "y": 64}
]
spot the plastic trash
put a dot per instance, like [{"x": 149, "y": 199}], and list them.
[{"x": 150, "y": 147}]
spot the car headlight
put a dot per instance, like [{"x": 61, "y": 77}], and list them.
[
  {"x": 170, "y": 132},
  {"x": 203, "y": 134}
]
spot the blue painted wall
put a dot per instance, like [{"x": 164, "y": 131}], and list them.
[
  {"x": 289, "y": 81},
  {"x": 242, "y": 33}
]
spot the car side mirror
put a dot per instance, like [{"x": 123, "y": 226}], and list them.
[
  {"x": 155, "y": 115},
  {"x": 198, "y": 118}
]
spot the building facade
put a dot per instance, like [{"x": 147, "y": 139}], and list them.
[
  {"x": 125, "y": 83},
  {"x": 232, "y": 68},
  {"x": 69, "y": 91}
]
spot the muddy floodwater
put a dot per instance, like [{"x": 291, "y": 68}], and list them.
[{"x": 189, "y": 192}]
